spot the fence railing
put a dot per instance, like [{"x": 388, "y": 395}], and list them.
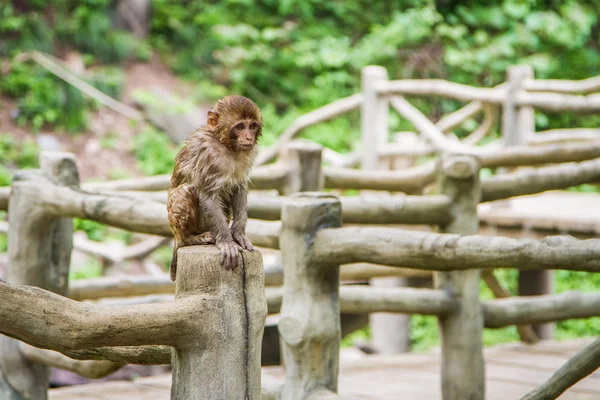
[
  {"x": 93, "y": 340},
  {"x": 313, "y": 245}
]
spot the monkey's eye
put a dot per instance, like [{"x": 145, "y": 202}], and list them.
[
  {"x": 239, "y": 126},
  {"x": 253, "y": 125}
]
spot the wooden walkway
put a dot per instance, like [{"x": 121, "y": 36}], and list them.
[
  {"x": 511, "y": 371},
  {"x": 554, "y": 211}
]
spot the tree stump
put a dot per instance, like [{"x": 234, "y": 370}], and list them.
[{"x": 222, "y": 359}]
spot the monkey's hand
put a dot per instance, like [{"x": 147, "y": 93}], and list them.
[
  {"x": 229, "y": 254},
  {"x": 242, "y": 240}
]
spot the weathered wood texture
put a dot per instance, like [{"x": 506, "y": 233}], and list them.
[
  {"x": 512, "y": 371},
  {"x": 366, "y": 209},
  {"x": 222, "y": 359},
  {"x": 461, "y": 330},
  {"x": 91, "y": 369},
  {"x": 98, "y": 288},
  {"x": 542, "y": 308},
  {"x": 373, "y": 116},
  {"x": 357, "y": 299},
  {"x": 39, "y": 254},
  {"x": 578, "y": 367},
  {"x": 310, "y": 315},
  {"x": 539, "y": 180},
  {"x": 133, "y": 214},
  {"x": 215, "y": 325},
  {"x": 436, "y": 87},
  {"x": 446, "y": 252},
  {"x": 302, "y": 161}
]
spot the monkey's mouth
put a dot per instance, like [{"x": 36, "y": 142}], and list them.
[{"x": 245, "y": 146}]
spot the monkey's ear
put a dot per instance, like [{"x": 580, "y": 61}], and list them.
[{"x": 213, "y": 119}]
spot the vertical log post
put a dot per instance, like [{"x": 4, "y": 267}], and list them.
[
  {"x": 461, "y": 331},
  {"x": 309, "y": 327},
  {"x": 221, "y": 360},
  {"x": 373, "y": 116},
  {"x": 302, "y": 158},
  {"x": 389, "y": 331},
  {"x": 518, "y": 122},
  {"x": 39, "y": 254}
]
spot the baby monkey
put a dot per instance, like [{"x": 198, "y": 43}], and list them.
[{"x": 209, "y": 182}]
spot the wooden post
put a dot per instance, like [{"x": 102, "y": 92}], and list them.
[
  {"x": 373, "y": 116},
  {"x": 461, "y": 332},
  {"x": 223, "y": 362},
  {"x": 310, "y": 314},
  {"x": 518, "y": 122},
  {"x": 389, "y": 331},
  {"x": 302, "y": 158},
  {"x": 39, "y": 254}
]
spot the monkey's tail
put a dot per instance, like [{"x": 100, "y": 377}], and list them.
[{"x": 176, "y": 247}]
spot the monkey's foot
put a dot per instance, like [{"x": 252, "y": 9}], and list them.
[
  {"x": 243, "y": 241},
  {"x": 229, "y": 254},
  {"x": 203, "y": 238}
]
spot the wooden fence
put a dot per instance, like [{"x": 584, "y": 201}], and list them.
[
  {"x": 307, "y": 227},
  {"x": 94, "y": 339}
]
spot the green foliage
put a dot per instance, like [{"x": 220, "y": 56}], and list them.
[
  {"x": 154, "y": 152},
  {"x": 91, "y": 269},
  {"x": 294, "y": 56},
  {"x": 47, "y": 100},
  {"x": 81, "y": 25},
  {"x": 94, "y": 230},
  {"x": 16, "y": 155},
  {"x": 162, "y": 256}
]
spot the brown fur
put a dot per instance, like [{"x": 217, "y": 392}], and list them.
[{"x": 209, "y": 182}]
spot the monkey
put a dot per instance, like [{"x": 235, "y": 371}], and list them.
[{"x": 209, "y": 184}]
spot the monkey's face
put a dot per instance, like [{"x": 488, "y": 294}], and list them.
[{"x": 244, "y": 134}]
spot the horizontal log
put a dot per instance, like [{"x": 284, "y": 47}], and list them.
[
  {"x": 125, "y": 212},
  {"x": 268, "y": 177},
  {"x": 539, "y": 180},
  {"x": 365, "y": 299},
  {"x": 324, "y": 113},
  {"x": 560, "y": 102},
  {"x": 427, "y": 210},
  {"x": 438, "y": 87},
  {"x": 515, "y": 156},
  {"x": 274, "y": 299},
  {"x": 539, "y": 309},
  {"x": 368, "y": 209},
  {"x": 264, "y": 233},
  {"x": 355, "y": 299},
  {"x": 262, "y": 178},
  {"x": 409, "y": 181},
  {"x": 147, "y": 183},
  {"x": 139, "y": 355},
  {"x": 91, "y": 369},
  {"x": 448, "y": 252},
  {"x": 46, "y": 320},
  {"x": 564, "y": 135},
  {"x": 582, "y": 364},
  {"x": 97, "y": 288},
  {"x": 563, "y": 85}
]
